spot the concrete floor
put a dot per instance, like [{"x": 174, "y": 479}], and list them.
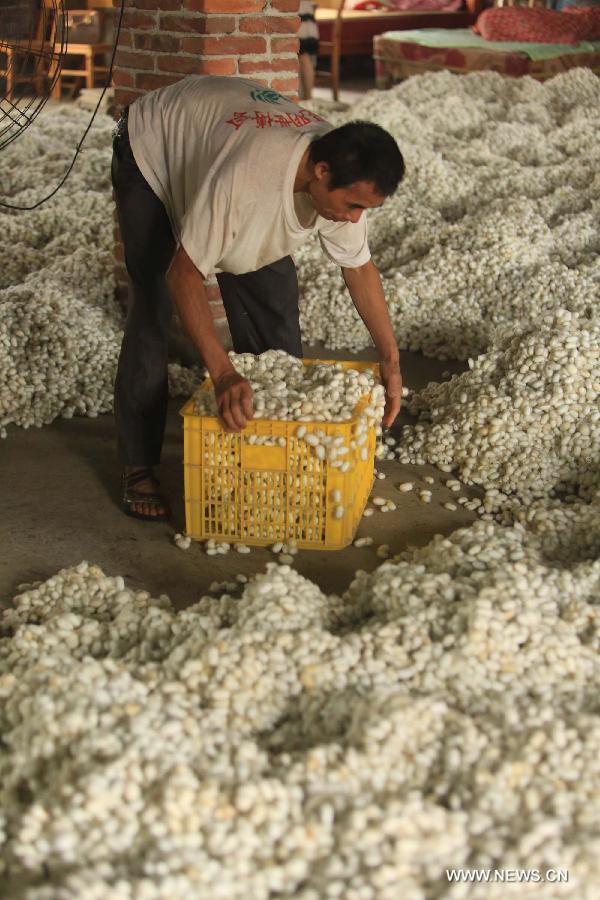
[
  {"x": 352, "y": 88},
  {"x": 60, "y": 503}
]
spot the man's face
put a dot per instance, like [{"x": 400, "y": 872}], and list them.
[{"x": 342, "y": 204}]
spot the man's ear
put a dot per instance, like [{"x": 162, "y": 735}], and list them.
[{"x": 321, "y": 170}]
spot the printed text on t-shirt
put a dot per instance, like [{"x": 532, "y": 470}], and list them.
[{"x": 268, "y": 120}]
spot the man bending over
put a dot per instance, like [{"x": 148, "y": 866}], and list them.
[{"x": 220, "y": 175}]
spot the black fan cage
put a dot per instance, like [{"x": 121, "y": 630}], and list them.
[{"x": 32, "y": 46}]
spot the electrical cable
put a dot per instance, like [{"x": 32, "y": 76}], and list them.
[{"x": 85, "y": 133}]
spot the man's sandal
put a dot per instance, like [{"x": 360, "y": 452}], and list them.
[{"x": 132, "y": 497}]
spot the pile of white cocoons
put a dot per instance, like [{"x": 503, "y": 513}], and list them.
[
  {"x": 524, "y": 421},
  {"x": 489, "y": 251},
  {"x": 442, "y": 713},
  {"x": 283, "y": 388},
  {"x": 60, "y": 327},
  {"x": 495, "y": 222}
]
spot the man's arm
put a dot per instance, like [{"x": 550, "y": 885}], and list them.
[
  {"x": 233, "y": 393},
  {"x": 366, "y": 290}
]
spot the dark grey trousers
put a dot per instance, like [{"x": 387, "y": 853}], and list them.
[{"x": 261, "y": 309}]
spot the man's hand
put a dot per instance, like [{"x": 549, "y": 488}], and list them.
[
  {"x": 392, "y": 382},
  {"x": 364, "y": 284},
  {"x": 234, "y": 401}
]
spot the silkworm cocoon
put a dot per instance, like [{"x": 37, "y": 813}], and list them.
[
  {"x": 369, "y": 511},
  {"x": 338, "y": 512},
  {"x": 336, "y": 495},
  {"x": 363, "y": 542},
  {"x": 286, "y": 558},
  {"x": 451, "y": 506},
  {"x": 182, "y": 542},
  {"x": 405, "y": 486},
  {"x": 383, "y": 551},
  {"x": 277, "y": 547}
]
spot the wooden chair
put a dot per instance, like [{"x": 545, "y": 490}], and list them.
[
  {"x": 18, "y": 57},
  {"x": 332, "y": 48},
  {"x": 82, "y": 62}
]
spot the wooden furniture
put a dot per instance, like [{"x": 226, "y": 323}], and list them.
[
  {"x": 35, "y": 61},
  {"x": 345, "y": 32},
  {"x": 26, "y": 60},
  {"x": 85, "y": 61},
  {"x": 331, "y": 45}
]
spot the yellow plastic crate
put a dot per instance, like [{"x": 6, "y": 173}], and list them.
[{"x": 236, "y": 491}]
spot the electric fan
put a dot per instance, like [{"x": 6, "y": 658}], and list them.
[{"x": 32, "y": 47}]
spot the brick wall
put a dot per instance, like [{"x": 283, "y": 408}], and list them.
[{"x": 163, "y": 40}]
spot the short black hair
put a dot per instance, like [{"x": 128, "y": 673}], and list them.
[{"x": 360, "y": 151}]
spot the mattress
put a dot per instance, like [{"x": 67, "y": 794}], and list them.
[{"x": 399, "y": 55}]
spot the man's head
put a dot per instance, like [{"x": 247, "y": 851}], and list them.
[{"x": 354, "y": 167}]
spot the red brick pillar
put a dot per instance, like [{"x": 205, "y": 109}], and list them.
[{"x": 161, "y": 41}]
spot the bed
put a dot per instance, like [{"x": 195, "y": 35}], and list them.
[{"x": 400, "y": 54}]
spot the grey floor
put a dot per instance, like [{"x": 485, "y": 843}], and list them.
[{"x": 60, "y": 502}]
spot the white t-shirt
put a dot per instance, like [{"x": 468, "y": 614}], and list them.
[{"x": 222, "y": 154}]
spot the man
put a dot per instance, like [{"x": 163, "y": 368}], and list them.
[{"x": 217, "y": 174}]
